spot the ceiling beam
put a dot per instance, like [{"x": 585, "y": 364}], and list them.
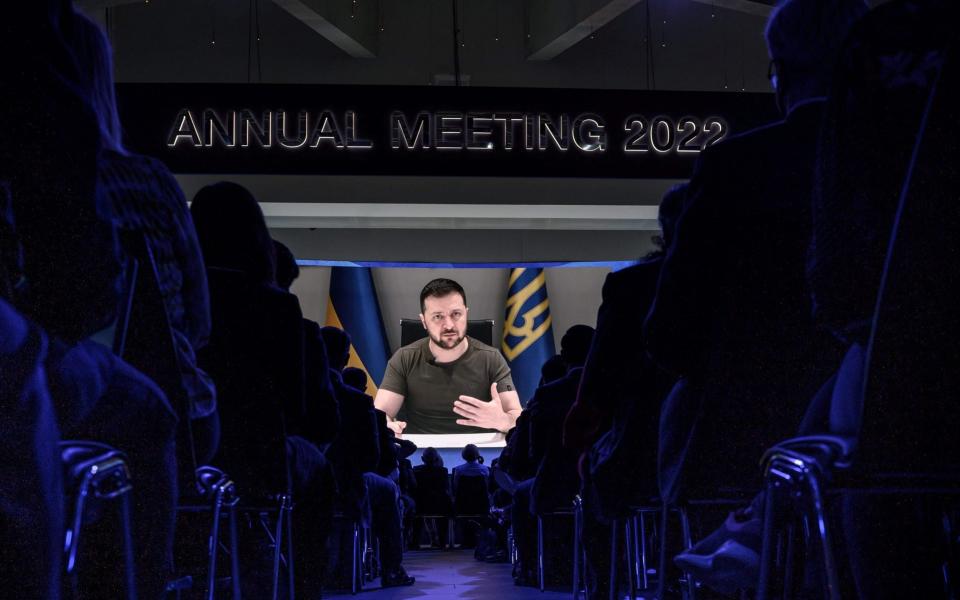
[
  {"x": 563, "y": 31},
  {"x": 89, "y": 5},
  {"x": 354, "y": 36},
  {"x": 752, "y": 7}
]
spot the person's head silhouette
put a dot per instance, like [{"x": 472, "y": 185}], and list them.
[
  {"x": 803, "y": 40},
  {"x": 470, "y": 453},
  {"x": 232, "y": 231}
]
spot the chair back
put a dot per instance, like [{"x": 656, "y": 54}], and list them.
[
  {"x": 911, "y": 412},
  {"x": 144, "y": 338},
  {"x": 412, "y": 330},
  {"x": 432, "y": 494},
  {"x": 255, "y": 358},
  {"x": 11, "y": 255},
  {"x": 471, "y": 497}
]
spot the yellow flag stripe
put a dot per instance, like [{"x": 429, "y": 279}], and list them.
[{"x": 333, "y": 320}]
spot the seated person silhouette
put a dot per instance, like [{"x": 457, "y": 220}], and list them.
[{"x": 432, "y": 495}]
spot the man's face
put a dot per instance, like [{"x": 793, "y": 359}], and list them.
[{"x": 445, "y": 319}]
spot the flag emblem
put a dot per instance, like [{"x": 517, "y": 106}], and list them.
[{"x": 527, "y": 332}]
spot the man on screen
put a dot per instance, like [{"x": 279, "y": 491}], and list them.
[{"x": 447, "y": 382}]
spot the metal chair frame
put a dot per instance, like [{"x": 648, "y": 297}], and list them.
[
  {"x": 452, "y": 528},
  {"x": 579, "y": 552},
  {"x": 635, "y": 536},
  {"x": 280, "y": 534},
  {"x": 796, "y": 493},
  {"x": 106, "y": 478},
  {"x": 359, "y": 540},
  {"x": 223, "y": 504},
  {"x": 688, "y": 583},
  {"x": 541, "y": 568},
  {"x": 429, "y": 519},
  {"x": 635, "y": 532}
]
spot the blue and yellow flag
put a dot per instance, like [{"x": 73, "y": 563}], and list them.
[
  {"x": 353, "y": 307},
  {"x": 527, "y": 332}
]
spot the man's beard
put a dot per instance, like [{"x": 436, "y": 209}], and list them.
[{"x": 448, "y": 345}]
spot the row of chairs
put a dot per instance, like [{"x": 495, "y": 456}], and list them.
[
  {"x": 94, "y": 472},
  {"x": 904, "y": 393}
]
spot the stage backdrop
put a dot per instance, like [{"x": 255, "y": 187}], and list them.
[{"x": 574, "y": 295}]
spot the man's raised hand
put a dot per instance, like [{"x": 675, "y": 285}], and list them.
[{"x": 481, "y": 414}]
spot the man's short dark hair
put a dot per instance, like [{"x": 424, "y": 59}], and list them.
[
  {"x": 438, "y": 288},
  {"x": 431, "y": 457},
  {"x": 337, "y": 342},
  {"x": 575, "y": 345},
  {"x": 287, "y": 269},
  {"x": 470, "y": 453},
  {"x": 355, "y": 378}
]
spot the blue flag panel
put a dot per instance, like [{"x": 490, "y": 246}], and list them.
[
  {"x": 353, "y": 307},
  {"x": 527, "y": 331}
]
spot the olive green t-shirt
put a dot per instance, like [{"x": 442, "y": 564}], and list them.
[{"x": 429, "y": 388}]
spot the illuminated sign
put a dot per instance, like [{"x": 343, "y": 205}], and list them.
[{"x": 233, "y": 128}]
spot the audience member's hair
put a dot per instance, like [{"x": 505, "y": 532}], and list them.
[
  {"x": 671, "y": 207},
  {"x": 575, "y": 345},
  {"x": 553, "y": 369},
  {"x": 92, "y": 51},
  {"x": 287, "y": 268},
  {"x": 355, "y": 378},
  {"x": 232, "y": 231},
  {"x": 337, "y": 342},
  {"x": 438, "y": 288},
  {"x": 431, "y": 457},
  {"x": 470, "y": 453},
  {"x": 804, "y": 37}
]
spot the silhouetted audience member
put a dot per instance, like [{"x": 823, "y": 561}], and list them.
[
  {"x": 321, "y": 404},
  {"x": 898, "y": 66},
  {"x": 856, "y": 193},
  {"x": 356, "y": 448},
  {"x": 515, "y": 459},
  {"x": 66, "y": 279},
  {"x": 732, "y": 312},
  {"x": 553, "y": 369},
  {"x": 470, "y": 496},
  {"x": 472, "y": 466},
  {"x": 355, "y": 378},
  {"x": 752, "y": 357},
  {"x": 357, "y": 458},
  {"x": 555, "y": 480},
  {"x": 39, "y": 170},
  {"x": 256, "y": 357},
  {"x": 69, "y": 279},
  {"x": 407, "y": 481},
  {"x": 388, "y": 465},
  {"x": 31, "y": 494},
  {"x": 433, "y": 496},
  {"x": 147, "y": 200},
  {"x": 614, "y": 422}
]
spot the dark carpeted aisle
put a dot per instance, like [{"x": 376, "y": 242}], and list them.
[{"x": 454, "y": 575}]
